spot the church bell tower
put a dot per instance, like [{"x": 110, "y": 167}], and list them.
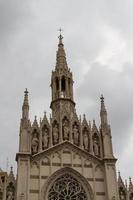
[{"x": 65, "y": 157}]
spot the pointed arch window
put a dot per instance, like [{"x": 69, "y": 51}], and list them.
[{"x": 63, "y": 84}]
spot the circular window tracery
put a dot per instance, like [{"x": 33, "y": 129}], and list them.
[{"x": 66, "y": 187}]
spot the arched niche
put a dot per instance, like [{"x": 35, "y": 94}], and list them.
[
  {"x": 65, "y": 128},
  {"x": 45, "y": 137},
  {"x": 66, "y": 184},
  {"x": 35, "y": 141},
  {"x": 96, "y": 144}
]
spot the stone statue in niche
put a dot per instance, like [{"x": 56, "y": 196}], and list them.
[
  {"x": 75, "y": 135},
  {"x": 55, "y": 134},
  {"x": 34, "y": 143},
  {"x": 65, "y": 130},
  {"x": 45, "y": 139},
  {"x": 86, "y": 140},
  {"x": 96, "y": 147},
  {"x": 122, "y": 196},
  {"x": 10, "y": 195}
]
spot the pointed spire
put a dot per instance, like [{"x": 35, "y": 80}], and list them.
[
  {"x": 35, "y": 123},
  {"x": 61, "y": 55},
  {"x": 25, "y": 107},
  {"x": 11, "y": 177},
  {"x": 103, "y": 112},
  {"x": 94, "y": 127}
]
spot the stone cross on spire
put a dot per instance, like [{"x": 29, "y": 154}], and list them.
[
  {"x": 61, "y": 55},
  {"x": 25, "y": 107},
  {"x": 103, "y": 112},
  {"x": 60, "y": 36}
]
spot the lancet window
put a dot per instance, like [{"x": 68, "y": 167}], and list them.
[
  {"x": 131, "y": 196},
  {"x": 63, "y": 84},
  {"x": 0, "y": 194},
  {"x": 67, "y": 187},
  {"x": 86, "y": 139}
]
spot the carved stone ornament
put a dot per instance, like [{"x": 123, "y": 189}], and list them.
[
  {"x": 67, "y": 187},
  {"x": 131, "y": 196}
]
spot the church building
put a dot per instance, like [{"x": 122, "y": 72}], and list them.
[{"x": 65, "y": 157}]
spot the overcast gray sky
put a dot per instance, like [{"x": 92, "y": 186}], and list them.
[{"x": 98, "y": 38}]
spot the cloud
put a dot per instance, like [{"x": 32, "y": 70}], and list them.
[{"x": 98, "y": 42}]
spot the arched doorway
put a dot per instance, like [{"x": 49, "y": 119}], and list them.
[{"x": 67, "y": 184}]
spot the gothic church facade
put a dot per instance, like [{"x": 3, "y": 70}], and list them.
[{"x": 64, "y": 157}]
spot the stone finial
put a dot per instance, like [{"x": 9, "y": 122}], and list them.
[
  {"x": 103, "y": 112},
  {"x": 61, "y": 55},
  {"x": 25, "y": 107}
]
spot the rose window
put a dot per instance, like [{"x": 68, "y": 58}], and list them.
[{"x": 67, "y": 188}]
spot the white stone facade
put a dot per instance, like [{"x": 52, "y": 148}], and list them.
[{"x": 64, "y": 157}]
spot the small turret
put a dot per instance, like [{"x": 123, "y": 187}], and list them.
[{"x": 103, "y": 112}]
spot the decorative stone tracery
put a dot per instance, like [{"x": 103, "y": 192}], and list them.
[{"x": 67, "y": 187}]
